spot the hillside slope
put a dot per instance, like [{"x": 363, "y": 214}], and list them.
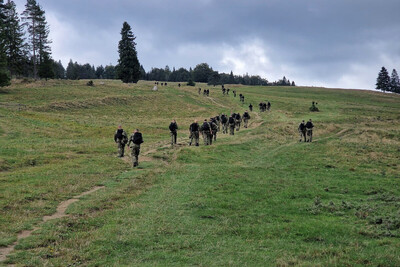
[{"x": 259, "y": 197}]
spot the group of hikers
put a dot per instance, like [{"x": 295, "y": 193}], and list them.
[
  {"x": 210, "y": 127},
  {"x": 306, "y": 131}
]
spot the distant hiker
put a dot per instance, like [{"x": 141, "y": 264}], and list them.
[
  {"x": 234, "y": 93},
  {"x": 264, "y": 106},
  {"x": 302, "y": 131},
  {"x": 165, "y": 84},
  {"x": 251, "y": 107},
  {"x": 261, "y": 106},
  {"x": 268, "y": 106},
  {"x": 223, "y": 91},
  {"x": 242, "y": 99},
  {"x": 205, "y": 130},
  {"x": 246, "y": 118},
  {"x": 227, "y": 91},
  {"x": 214, "y": 129},
  {"x": 194, "y": 133},
  {"x": 136, "y": 139},
  {"x": 224, "y": 122},
  {"x": 309, "y": 128},
  {"x": 162, "y": 84},
  {"x": 238, "y": 120},
  {"x": 208, "y": 92},
  {"x": 199, "y": 90},
  {"x": 231, "y": 122},
  {"x": 179, "y": 85},
  {"x": 121, "y": 138},
  {"x": 173, "y": 127}
]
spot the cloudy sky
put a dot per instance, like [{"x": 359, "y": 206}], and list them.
[{"x": 340, "y": 43}]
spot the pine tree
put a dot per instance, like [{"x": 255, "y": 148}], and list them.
[
  {"x": 383, "y": 80},
  {"x": 14, "y": 44},
  {"x": 38, "y": 30},
  {"x": 4, "y": 75},
  {"x": 231, "y": 78},
  {"x": 395, "y": 82},
  {"x": 46, "y": 70},
  {"x": 129, "y": 67}
]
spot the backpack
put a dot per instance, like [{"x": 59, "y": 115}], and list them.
[
  {"x": 224, "y": 119},
  {"x": 137, "y": 138},
  {"x": 246, "y": 115},
  {"x": 119, "y": 134},
  {"x": 238, "y": 116},
  {"x": 206, "y": 126},
  {"x": 231, "y": 120}
]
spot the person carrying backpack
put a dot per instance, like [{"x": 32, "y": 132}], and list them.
[
  {"x": 224, "y": 122},
  {"x": 136, "y": 139},
  {"x": 238, "y": 120},
  {"x": 205, "y": 130},
  {"x": 302, "y": 131},
  {"x": 194, "y": 133},
  {"x": 309, "y": 129},
  {"x": 246, "y": 118},
  {"x": 173, "y": 127},
  {"x": 214, "y": 129},
  {"x": 231, "y": 122},
  {"x": 121, "y": 138}
]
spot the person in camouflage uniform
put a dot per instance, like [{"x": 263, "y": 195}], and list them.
[
  {"x": 134, "y": 143},
  {"x": 121, "y": 138},
  {"x": 214, "y": 129},
  {"x": 194, "y": 133},
  {"x": 231, "y": 122},
  {"x": 302, "y": 131},
  {"x": 238, "y": 120},
  {"x": 309, "y": 128},
  {"x": 246, "y": 118},
  {"x": 206, "y": 131},
  {"x": 224, "y": 122},
  {"x": 173, "y": 127}
]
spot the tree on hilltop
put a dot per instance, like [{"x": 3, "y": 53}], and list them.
[
  {"x": 129, "y": 67},
  {"x": 35, "y": 21},
  {"x": 395, "y": 82},
  {"x": 4, "y": 75},
  {"x": 14, "y": 41},
  {"x": 202, "y": 72},
  {"x": 383, "y": 80}
]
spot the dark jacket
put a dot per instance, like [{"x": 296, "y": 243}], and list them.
[
  {"x": 194, "y": 127},
  {"x": 309, "y": 125},
  {"x": 173, "y": 127}
]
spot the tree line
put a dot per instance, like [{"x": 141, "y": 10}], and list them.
[
  {"x": 25, "y": 52},
  {"x": 388, "y": 83},
  {"x": 24, "y": 43}
]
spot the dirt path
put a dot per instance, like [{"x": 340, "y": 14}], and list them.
[{"x": 60, "y": 213}]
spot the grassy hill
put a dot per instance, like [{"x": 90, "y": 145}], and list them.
[{"x": 257, "y": 198}]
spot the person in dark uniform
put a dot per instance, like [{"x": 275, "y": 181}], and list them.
[
  {"x": 302, "y": 131},
  {"x": 309, "y": 129},
  {"x": 173, "y": 127},
  {"x": 251, "y": 107},
  {"x": 194, "y": 129}
]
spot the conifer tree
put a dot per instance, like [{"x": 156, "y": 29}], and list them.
[
  {"x": 129, "y": 67},
  {"x": 394, "y": 82},
  {"x": 4, "y": 75},
  {"x": 38, "y": 31},
  {"x": 383, "y": 80},
  {"x": 14, "y": 44}
]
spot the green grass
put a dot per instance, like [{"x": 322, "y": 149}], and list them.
[{"x": 258, "y": 198}]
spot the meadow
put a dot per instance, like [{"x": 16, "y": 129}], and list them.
[{"x": 258, "y": 198}]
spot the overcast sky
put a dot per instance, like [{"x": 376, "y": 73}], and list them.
[{"x": 340, "y": 43}]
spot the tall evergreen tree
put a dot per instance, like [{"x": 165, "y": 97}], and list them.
[
  {"x": 129, "y": 67},
  {"x": 14, "y": 44},
  {"x": 59, "y": 70},
  {"x": 383, "y": 80},
  {"x": 4, "y": 75},
  {"x": 394, "y": 82},
  {"x": 231, "y": 78},
  {"x": 38, "y": 30}
]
